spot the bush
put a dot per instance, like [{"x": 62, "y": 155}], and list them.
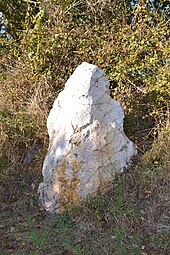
[{"x": 130, "y": 42}]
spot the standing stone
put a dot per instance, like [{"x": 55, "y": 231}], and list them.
[{"x": 87, "y": 142}]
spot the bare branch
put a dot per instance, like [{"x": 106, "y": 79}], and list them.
[{"x": 134, "y": 85}]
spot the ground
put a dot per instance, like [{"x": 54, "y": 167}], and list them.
[{"x": 132, "y": 218}]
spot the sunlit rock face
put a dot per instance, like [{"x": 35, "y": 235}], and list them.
[{"x": 87, "y": 144}]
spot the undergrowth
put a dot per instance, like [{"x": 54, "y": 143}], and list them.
[
  {"x": 48, "y": 40},
  {"x": 132, "y": 218}
]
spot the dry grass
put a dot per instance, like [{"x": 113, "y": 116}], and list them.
[{"x": 133, "y": 217}]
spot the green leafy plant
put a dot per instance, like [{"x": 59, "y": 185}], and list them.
[{"x": 49, "y": 39}]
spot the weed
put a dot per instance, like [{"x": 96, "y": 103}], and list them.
[{"x": 39, "y": 239}]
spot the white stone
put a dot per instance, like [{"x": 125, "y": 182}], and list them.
[{"x": 87, "y": 142}]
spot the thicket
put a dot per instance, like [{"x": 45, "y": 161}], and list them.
[{"x": 49, "y": 39}]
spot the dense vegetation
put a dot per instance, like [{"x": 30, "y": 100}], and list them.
[{"x": 42, "y": 44}]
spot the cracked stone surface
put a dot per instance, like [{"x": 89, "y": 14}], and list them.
[{"x": 87, "y": 144}]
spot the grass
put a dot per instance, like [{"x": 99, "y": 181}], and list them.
[{"x": 132, "y": 218}]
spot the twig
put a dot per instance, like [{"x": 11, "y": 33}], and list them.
[
  {"x": 32, "y": 2},
  {"x": 144, "y": 92}
]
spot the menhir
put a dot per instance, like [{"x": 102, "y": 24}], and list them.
[{"x": 87, "y": 144}]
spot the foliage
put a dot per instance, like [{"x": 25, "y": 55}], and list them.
[
  {"x": 139, "y": 62},
  {"x": 18, "y": 15},
  {"x": 130, "y": 41}
]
